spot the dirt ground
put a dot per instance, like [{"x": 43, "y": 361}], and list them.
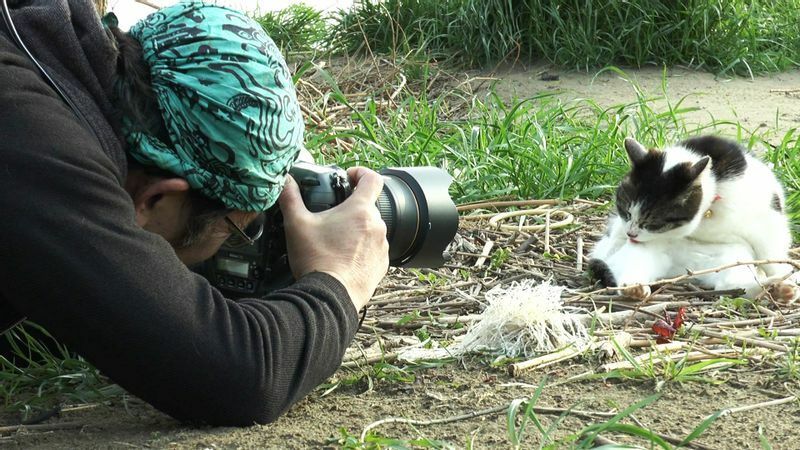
[
  {"x": 438, "y": 393},
  {"x": 770, "y": 103},
  {"x": 472, "y": 385}
]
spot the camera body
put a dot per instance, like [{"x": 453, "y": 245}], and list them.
[
  {"x": 254, "y": 270},
  {"x": 421, "y": 220}
]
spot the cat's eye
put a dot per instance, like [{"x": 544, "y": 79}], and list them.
[
  {"x": 624, "y": 214},
  {"x": 653, "y": 226}
]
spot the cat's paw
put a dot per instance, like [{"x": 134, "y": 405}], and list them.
[
  {"x": 599, "y": 270},
  {"x": 784, "y": 293},
  {"x": 641, "y": 291}
]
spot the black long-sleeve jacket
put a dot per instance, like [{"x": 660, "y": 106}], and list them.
[{"x": 73, "y": 260}]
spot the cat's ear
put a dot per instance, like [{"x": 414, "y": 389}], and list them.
[
  {"x": 698, "y": 167},
  {"x": 636, "y": 151}
]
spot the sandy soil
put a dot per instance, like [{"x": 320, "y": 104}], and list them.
[
  {"x": 461, "y": 388},
  {"x": 440, "y": 393},
  {"x": 770, "y": 103}
]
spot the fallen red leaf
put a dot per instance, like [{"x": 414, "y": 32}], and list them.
[
  {"x": 666, "y": 330},
  {"x": 679, "y": 318}
]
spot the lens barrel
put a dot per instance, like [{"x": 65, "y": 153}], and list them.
[{"x": 421, "y": 218}]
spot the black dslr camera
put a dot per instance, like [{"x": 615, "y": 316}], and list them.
[{"x": 421, "y": 220}]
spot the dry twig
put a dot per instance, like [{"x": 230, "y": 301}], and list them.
[
  {"x": 42, "y": 427},
  {"x": 484, "y": 412},
  {"x": 728, "y": 411}
]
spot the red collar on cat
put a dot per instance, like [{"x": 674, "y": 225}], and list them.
[{"x": 709, "y": 212}]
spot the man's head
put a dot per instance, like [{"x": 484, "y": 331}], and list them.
[
  {"x": 193, "y": 224},
  {"x": 227, "y": 123}
]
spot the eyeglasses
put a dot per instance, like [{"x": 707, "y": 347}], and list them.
[{"x": 248, "y": 236}]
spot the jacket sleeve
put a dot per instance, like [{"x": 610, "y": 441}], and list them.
[{"x": 73, "y": 260}]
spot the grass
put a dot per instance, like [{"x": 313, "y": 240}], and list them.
[
  {"x": 536, "y": 147},
  {"x": 784, "y": 158},
  {"x": 45, "y": 375},
  {"x": 744, "y": 37},
  {"x": 722, "y": 36},
  {"x": 532, "y": 148},
  {"x": 347, "y": 441},
  {"x": 661, "y": 369},
  {"x": 296, "y": 29},
  {"x": 790, "y": 367},
  {"x": 521, "y": 416}
]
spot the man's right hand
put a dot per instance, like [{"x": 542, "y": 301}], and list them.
[{"x": 347, "y": 241}]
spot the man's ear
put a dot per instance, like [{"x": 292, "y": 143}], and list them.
[{"x": 146, "y": 200}]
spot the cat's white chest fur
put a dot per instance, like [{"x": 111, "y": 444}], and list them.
[{"x": 743, "y": 210}]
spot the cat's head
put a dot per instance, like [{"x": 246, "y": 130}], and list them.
[{"x": 654, "y": 202}]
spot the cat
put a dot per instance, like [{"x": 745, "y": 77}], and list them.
[{"x": 700, "y": 204}]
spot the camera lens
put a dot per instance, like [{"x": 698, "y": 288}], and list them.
[{"x": 421, "y": 218}]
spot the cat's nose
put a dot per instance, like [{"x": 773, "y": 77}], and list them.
[{"x": 632, "y": 235}]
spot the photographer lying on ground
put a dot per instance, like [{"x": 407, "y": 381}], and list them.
[{"x": 193, "y": 124}]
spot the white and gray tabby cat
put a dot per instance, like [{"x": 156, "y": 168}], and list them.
[{"x": 700, "y": 204}]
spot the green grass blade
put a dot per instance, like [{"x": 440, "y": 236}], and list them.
[{"x": 701, "y": 428}]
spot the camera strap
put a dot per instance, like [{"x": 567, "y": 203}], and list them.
[{"x": 17, "y": 39}]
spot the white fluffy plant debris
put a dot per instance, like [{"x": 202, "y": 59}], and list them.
[{"x": 524, "y": 319}]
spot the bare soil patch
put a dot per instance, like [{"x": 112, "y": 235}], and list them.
[
  {"x": 767, "y": 103},
  {"x": 315, "y": 422}
]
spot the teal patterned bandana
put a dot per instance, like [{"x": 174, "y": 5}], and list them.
[{"x": 227, "y": 100}]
